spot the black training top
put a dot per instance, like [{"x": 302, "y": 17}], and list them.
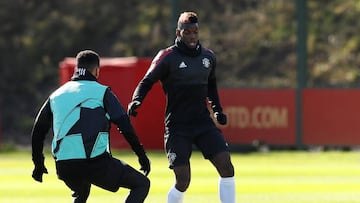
[{"x": 188, "y": 79}]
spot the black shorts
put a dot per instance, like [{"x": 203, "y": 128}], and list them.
[
  {"x": 179, "y": 142},
  {"x": 105, "y": 172}
]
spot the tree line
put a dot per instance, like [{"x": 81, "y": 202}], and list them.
[{"x": 254, "y": 41}]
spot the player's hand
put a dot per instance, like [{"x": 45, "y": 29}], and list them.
[
  {"x": 220, "y": 118},
  {"x": 145, "y": 164},
  {"x": 132, "y": 107},
  {"x": 38, "y": 173}
]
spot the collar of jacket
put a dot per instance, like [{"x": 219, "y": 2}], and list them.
[
  {"x": 79, "y": 74},
  {"x": 186, "y": 50}
]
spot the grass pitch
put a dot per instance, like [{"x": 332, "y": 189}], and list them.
[{"x": 274, "y": 177}]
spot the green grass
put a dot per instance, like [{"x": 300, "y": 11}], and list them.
[{"x": 275, "y": 177}]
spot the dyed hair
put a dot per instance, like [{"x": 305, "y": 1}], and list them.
[{"x": 186, "y": 18}]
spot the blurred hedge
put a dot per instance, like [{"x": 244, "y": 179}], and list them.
[{"x": 254, "y": 40}]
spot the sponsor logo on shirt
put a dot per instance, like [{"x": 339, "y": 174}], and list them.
[{"x": 182, "y": 65}]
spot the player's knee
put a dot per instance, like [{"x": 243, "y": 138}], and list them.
[
  {"x": 226, "y": 170},
  {"x": 223, "y": 164},
  {"x": 182, "y": 175},
  {"x": 182, "y": 184},
  {"x": 143, "y": 182},
  {"x": 146, "y": 183}
]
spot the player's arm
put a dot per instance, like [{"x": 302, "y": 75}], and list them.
[
  {"x": 157, "y": 71},
  {"x": 119, "y": 117},
  {"x": 213, "y": 97},
  {"x": 41, "y": 127}
]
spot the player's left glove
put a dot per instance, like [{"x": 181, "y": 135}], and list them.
[
  {"x": 145, "y": 163},
  {"x": 39, "y": 169},
  {"x": 220, "y": 118},
  {"x": 142, "y": 158},
  {"x": 38, "y": 173}
]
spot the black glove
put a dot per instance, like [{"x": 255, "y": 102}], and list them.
[
  {"x": 38, "y": 172},
  {"x": 145, "y": 163},
  {"x": 220, "y": 118},
  {"x": 40, "y": 168},
  {"x": 132, "y": 107}
]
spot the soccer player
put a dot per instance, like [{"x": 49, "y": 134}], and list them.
[
  {"x": 186, "y": 71},
  {"x": 80, "y": 113}
]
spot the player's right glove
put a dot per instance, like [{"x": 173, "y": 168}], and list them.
[
  {"x": 39, "y": 169},
  {"x": 132, "y": 107},
  {"x": 220, "y": 118}
]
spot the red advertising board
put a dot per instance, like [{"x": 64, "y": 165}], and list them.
[
  {"x": 266, "y": 115},
  {"x": 331, "y": 116}
]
